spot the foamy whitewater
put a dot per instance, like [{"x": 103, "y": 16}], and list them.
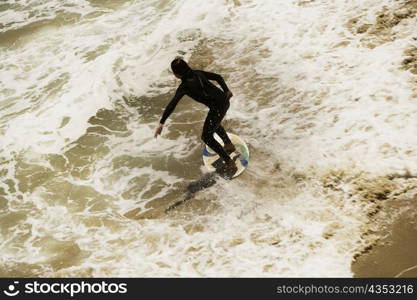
[{"x": 323, "y": 95}]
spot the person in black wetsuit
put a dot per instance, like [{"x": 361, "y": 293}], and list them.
[{"x": 196, "y": 84}]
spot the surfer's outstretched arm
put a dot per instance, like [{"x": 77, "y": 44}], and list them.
[
  {"x": 169, "y": 109},
  {"x": 172, "y": 104}
]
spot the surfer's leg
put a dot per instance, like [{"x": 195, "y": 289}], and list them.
[
  {"x": 228, "y": 145},
  {"x": 214, "y": 117},
  {"x": 223, "y": 135},
  {"x": 210, "y": 127}
]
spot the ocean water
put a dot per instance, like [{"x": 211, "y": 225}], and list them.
[{"x": 324, "y": 94}]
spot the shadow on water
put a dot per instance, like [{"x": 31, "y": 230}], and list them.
[{"x": 206, "y": 181}]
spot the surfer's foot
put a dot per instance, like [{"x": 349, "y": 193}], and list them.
[
  {"x": 228, "y": 169},
  {"x": 229, "y": 148}
]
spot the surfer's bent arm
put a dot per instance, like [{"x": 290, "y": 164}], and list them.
[
  {"x": 218, "y": 78},
  {"x": 172, "y": 104}
]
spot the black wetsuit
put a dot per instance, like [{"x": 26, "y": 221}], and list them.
[{"x": 196, "y": 85}]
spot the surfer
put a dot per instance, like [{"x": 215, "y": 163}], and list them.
[{"x": 196, "y": 84}]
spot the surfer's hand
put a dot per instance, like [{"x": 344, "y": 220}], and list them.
[
  {"x": 158, "y": 129},
  {"x": 229, "y": 95}
]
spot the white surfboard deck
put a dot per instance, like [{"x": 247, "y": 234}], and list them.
[{"x": 210, "y": 157}]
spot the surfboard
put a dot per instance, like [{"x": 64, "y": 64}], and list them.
[{"x": 212, "y": 160}]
